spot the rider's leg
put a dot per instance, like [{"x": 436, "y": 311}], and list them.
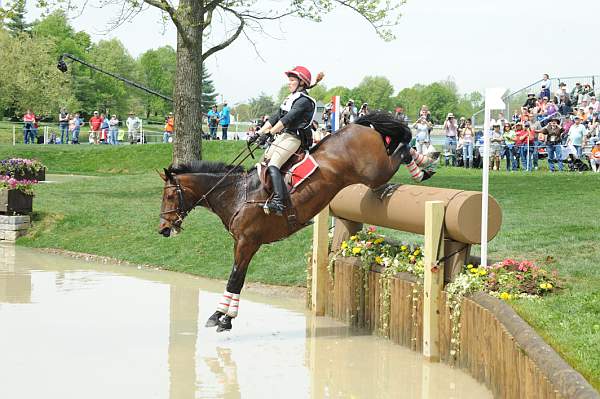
[{"x": 284, "y": 146}]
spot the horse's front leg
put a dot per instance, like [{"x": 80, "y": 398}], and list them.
[{"x": 228, "y": 307}]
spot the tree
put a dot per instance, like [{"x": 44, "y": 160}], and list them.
[
  {"x": 31, "y": 80},
  {"x": 157, "y": 71},
  {"x": 16, "y": 24},
  {"x": 56, "y": 27},
  {"x": 376, "y": 91},
  {"x": 208, "y": 91},
  {"x": 196, "y": 28}
]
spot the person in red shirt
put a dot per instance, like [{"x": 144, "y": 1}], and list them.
[
  {"x": 95, "y": 124},
  {"x": 28, "y": 128}
]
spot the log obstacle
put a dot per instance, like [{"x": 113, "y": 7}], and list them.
[{"x": 449, "y": 219}]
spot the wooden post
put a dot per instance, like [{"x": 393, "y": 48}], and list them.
[
  {"x": 320, "y": 258},
  {"x": 434, "y": 278},
  {"x": 342, "y": 231}
]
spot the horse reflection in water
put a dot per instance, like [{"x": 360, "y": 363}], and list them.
[{"x": 368, "y": 151}]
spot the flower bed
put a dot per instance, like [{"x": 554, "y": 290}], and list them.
[
  {"x": 16, "y": 196},
  {"x": 23, "y": 169}
]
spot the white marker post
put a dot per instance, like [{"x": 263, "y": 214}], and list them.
[{"x": 493, "y": 100}]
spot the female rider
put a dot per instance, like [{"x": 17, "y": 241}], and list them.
[{"x": 291, "y": 127}]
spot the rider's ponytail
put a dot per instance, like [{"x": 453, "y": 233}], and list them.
[{"x": 320, "y": 77}]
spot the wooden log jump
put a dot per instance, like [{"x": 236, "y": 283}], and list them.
[{"x": 451, "y": 217}]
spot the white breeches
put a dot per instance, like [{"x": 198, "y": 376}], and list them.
[{"x": 284, "y": 146}]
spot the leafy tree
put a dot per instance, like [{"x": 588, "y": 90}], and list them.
[
  {"x": 16, "y": 24},
  {"x": 56, "y": 27},
  {"x": 376, "y": 91},
  {"x": 157, "y": 71},
  {"x": 208, "y": 90},
  {"x": 344, "y": 93},
  {"x": 31, "y": 80}
]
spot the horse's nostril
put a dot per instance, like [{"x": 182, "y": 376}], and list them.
[{"x": 165, "y": 232}]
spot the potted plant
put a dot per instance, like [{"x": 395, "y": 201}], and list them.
[
  {"x": 23, "y": 169},
  {"x": 16, "y": 196}
]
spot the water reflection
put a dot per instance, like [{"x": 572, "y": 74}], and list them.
[{"x": 96, "y": 331}]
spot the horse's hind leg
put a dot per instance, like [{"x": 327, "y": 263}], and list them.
[{"x": 228, "y": 308}]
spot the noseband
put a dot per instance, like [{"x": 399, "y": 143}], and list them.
[{"x": 181, "y": 210}]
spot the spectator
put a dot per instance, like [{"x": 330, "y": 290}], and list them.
[
  {"x": 509, "y": 148},
  {"x": 547, "y": 84},
  {"x": 104, "y": 129},
  {"x": 576, "y": 93},
  {"x": 576, "y": 134},
  {"x": 501, "y": 120},
  {"x": 169, "y": 128},
  {"x": 467, "y": 135},
  {"x": 552, "y": 134},
  {"x": 586, "y": 93},
  {"x": 400, "y": 115},
  {"x": 451, "y": 132},
  {"x": 95, "y": 123},
  {"x": 422, "y": 127},
  {"x": 29, "y": 121},
  {"x": 133, "y": 127},
  {"x": 348, "y": 113},
  {"x": 564, "y": 105},
  {"x": 594, "y": 104},
  {"x": 364, "y": 110},
  {"x": 63, "y": 125},
  {"x": 530, "y": 102},
  {"x": 516, "y": 117},
  {"x": 327, "y": 116},
  {"x": 495, "y": 146},
  {"x": 563, "y": 92},
  {"x": 522, "y": 142},
  {"x": 76, "y": 124},
  {"x": 536, "y": 127},
  {"x": 224, "y": 119},
  {"x": 595, "y": 157},
  {"x": 213, "y": 122},
  {"x": 545, "y": 92},
  {"x": 113, "y": 124}
]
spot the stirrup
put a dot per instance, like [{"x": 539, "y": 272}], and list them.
[{"x": 269, "y": 206}]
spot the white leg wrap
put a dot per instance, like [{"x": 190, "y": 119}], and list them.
[
  {"x": 223, "y": 306},
  {"x": 415, "y": 172},
  {"x": 234, "y": 305},
  {"x": 420, "y": 159}
]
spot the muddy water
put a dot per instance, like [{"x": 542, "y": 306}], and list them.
[{"x": 71, "y": 329}]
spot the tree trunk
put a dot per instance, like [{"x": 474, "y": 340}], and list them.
[{"x": 187, "y": 93}]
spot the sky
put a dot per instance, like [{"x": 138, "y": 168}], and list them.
[{"x": 477, "y": 43}]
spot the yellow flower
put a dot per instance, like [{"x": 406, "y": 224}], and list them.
[
  {"x": 549, "y": 286},
  {"x": 378, "y": 260},
  {"x": 473, "y": 271},
  {"x": 482, "y": 272},
  {"x": 378, "y": 241},
  {"x": 344, "y": 245},
  {"x": 403, "y": 248},
  {"x": 543, "y": 286},
  {"x": 417, "y": 252},
  {"x": 411, "y": 258},
  {"x": 505, "y": 296},
  {"x": 470, "y": 266},
  {"x": 356, "y": 250},
  {"x": 353, "y": 238}
]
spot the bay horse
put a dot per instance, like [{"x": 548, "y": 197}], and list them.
[{"x": 368, "y": 151}]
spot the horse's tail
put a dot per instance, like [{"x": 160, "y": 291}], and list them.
[{"x": 392, "y": 130}]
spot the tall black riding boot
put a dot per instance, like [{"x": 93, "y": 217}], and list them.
[{"x": 276, "y": 204}]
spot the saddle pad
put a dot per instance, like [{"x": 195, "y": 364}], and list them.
[{"x": 302, "y": 170}]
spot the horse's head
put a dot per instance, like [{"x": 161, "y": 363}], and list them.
[{"x": 177, "y": 201}]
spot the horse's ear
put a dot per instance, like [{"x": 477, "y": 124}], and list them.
[
  {"x": 168, "y": 175},
  {"x": 162, "y": 175}
]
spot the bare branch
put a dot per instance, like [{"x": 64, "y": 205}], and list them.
[{"x": 231, "y": 39}]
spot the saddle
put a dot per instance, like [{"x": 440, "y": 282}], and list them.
[{"x": 295, "y": 171}]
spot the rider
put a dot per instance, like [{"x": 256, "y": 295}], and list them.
[{"x": 291, "y": 127}]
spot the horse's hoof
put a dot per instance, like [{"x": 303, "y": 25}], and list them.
[
  {"x": 213, "y": 320},
  {"x": 224, "y": 324}
]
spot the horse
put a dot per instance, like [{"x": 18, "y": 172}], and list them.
[{"x": 368, "y": 151}]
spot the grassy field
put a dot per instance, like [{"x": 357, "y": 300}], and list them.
[{"x": 550, "y": 218}]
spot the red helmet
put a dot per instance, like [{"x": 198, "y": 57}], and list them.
[{"x": 301, "y": 73}]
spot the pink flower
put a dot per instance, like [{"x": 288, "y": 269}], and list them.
[
  {"x": 372, "y": 229},
  {"x": 519, "y": 276}
]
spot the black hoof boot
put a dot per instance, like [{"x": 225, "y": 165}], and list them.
[
  {"x": 427, "y": 174},
  {"x": 213, "y": 320},
  {"x": 224, "y": 324},
  {"x": 385, "y": 190}
]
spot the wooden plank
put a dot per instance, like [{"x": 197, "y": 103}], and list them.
[
  {"x": 434, "y": 278},
  {"x": 320, "y": 258}
]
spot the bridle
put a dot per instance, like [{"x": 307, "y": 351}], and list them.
[{"x": 181, "y": 210}]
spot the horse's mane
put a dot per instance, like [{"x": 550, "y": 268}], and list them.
[
  {"x": 386, "y": 124},
  {"x": 204, "y": 167}
]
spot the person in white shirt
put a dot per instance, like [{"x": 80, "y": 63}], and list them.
[{"x": 133, "y": 127}]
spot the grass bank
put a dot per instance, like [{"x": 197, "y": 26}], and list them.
[{"x": 550, "y": 218}]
